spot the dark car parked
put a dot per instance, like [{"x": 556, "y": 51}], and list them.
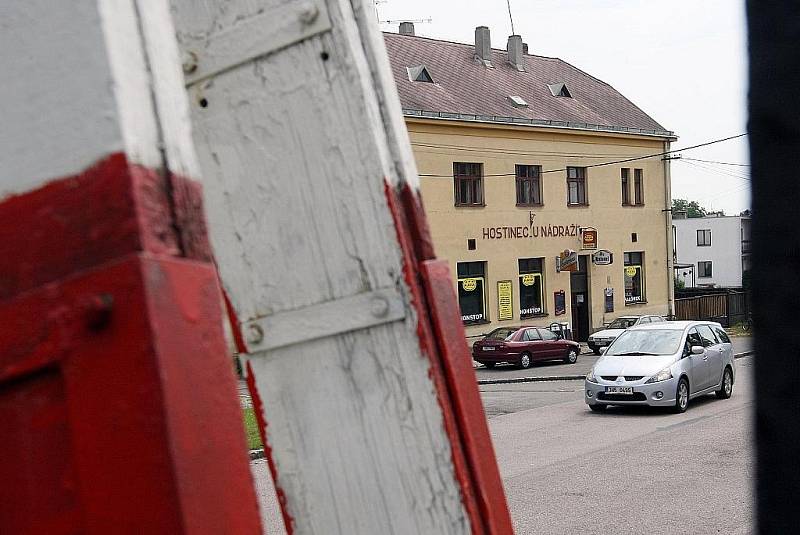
[{"x": 522, "y": 346}]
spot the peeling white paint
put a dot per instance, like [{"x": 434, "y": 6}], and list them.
[{"x": 294, "y": 151}]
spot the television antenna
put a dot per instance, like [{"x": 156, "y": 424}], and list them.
[{"x": 397, "y": 21}]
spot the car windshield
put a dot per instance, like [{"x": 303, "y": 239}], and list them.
[
  {"x": 622, "y": 323},
  {"x": 500, "y": 334},
  {"x": 646, "y": 342}
]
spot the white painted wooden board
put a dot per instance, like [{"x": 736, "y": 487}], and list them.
[
  {"x": 85, "y": 79},
  {"x": 71, "y": 73},
  {"x": 294, "y": 150}
]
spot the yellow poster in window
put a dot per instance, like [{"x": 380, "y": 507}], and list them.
[
  {"x": 630, "y": 271},
  {"x": 469, "y": 284},
  {"x": 528, "y": 280},
  {"x": 505, "y": 309}
]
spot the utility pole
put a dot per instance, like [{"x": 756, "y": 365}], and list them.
[{"x": 355, "y": 352}]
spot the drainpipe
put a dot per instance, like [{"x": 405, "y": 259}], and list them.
[{"x": 668, "y": 228}]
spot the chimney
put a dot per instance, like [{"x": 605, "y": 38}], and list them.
[
  {"x": 679, "y": 214},
  {"x": 525, "y": 48},
  {"x": 516, "y": 55},
  {"x": 406, "y": 28},
  {"x": 483, "y": 45}
]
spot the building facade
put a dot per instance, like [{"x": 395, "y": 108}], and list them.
[
  {"x": 712, "y": 251},
  {"x": 538, "y": 185}
]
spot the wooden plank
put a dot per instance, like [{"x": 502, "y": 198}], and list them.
[
  {"x": 294, "y": 152},
  {"x": 61, "y": 112},
  {"x": 118, "y": 408}
]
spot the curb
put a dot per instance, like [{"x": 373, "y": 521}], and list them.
[
  {"x": 563, "y": 377},
  {"x": 532, "y": 379}
]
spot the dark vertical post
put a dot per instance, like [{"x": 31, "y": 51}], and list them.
[{"x": 774, "y": 126}]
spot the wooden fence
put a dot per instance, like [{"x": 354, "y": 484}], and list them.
[{"x": 727, "y": 308}]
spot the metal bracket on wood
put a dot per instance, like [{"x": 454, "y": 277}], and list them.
[
  {"x": 325, "y": 319},
  {"x": 255, "y": 37}
]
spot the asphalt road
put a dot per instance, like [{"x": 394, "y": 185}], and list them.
[
  {"x": 568, "y": 470},
  {"x": 585, "y": 361}
]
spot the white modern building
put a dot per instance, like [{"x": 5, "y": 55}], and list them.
[{"x": 711, "y": 251}]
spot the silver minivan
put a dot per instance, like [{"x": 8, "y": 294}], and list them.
[{"x": 663, "y": 364}]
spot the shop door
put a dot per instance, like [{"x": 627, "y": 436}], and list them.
[{"x": 579, "y": 288}]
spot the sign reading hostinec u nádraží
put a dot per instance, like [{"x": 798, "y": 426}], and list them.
[
  {"x": 603, "y": 258},
  {"x": 530, "y": 231}
]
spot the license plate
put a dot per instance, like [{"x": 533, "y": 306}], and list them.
[
  {"x": 488, "y": 349},
  {"x": 619, "y": 390}
]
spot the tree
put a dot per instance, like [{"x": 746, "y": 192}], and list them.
[
  {"x": 679, "y": 283},
  {"x": 692, "y": 208}
]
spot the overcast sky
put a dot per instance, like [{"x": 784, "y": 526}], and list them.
[{"x": 684, "y": 62}]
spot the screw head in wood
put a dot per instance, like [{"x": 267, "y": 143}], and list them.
[
  {"x": 255, "y": 334},
  {"x": 379, "y": 307},
  {"x": 308, "y": 13},
  {"x": 189, "y": 62}
]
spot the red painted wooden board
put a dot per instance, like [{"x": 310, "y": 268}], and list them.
[
  {"x": 118, "y": 405},
  {"x": 124, "y": 421},
  {"x": 111, "y": 209}
]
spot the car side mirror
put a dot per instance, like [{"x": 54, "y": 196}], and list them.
[{"x": 698, "y": 350}]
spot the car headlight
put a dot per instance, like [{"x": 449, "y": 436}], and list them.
[
  {"x": 591, "y": 338},
  {"x": 663, "y": 375},
  {"x": 591, "y": 377}
]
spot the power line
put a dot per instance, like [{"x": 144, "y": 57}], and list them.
[
  {"x": 720, "y": 172},
  {"x": 720, "y": 163},
  {"x": 603, "y": 164}
]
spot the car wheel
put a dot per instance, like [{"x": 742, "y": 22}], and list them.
[
  {"x": 572, "y": 356},
  {"x": 726, "y": 388},
  {"x": 598, "y": 407},
  {"x": 489, "y": 365},
  {"x": 596, "y": 351},
  {"x": 682, "y": 395},
  {"x": 525, "y": 361}
]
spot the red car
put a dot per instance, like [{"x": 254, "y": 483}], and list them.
[{"x": 522, "y": 346}]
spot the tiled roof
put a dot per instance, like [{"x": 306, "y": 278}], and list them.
[{"x": 465, "y": 89}]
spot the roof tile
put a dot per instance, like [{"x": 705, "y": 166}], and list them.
[{"x": 465, "y": 86}]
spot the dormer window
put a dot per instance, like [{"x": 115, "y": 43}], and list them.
[
  {"x": 559, "y": 90},
  {"x": 517, "y": 101},
  {"x": 419, "y": 73}
]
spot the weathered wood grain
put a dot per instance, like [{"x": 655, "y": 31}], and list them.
[{"x": 294, "y": 152}]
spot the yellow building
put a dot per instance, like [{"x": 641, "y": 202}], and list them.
[{"x": 537, "y": 184}]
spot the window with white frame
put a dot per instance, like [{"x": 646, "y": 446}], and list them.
[
  {"x": 704, "y": 237},
  {"x": 704, "y": 269}
]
